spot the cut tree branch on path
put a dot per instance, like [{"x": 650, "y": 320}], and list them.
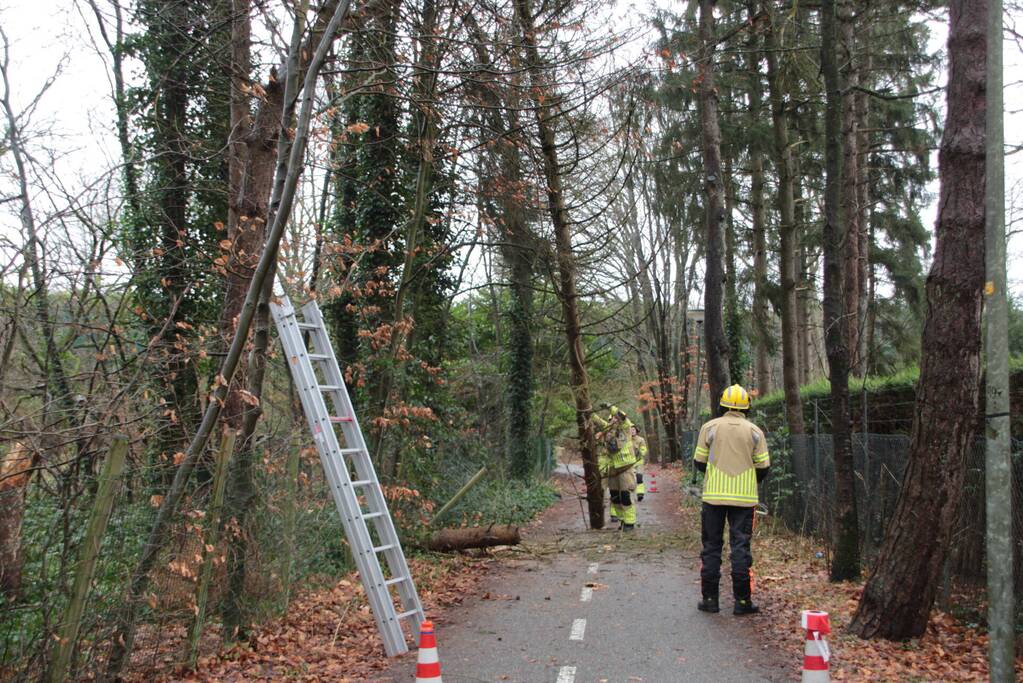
[{"x": 446, "y": 540}]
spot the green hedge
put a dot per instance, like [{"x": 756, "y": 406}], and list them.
[{"x": 889, "y": 400}]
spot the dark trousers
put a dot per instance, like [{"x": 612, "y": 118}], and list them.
[{"x": 740, "y": 531}]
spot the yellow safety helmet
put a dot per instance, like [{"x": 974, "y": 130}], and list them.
[{"x": 735, "y": 397}]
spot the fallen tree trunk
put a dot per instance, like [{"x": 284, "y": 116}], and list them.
[{"x": 446, "y": 540}]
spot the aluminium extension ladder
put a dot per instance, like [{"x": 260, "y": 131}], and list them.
[{"x": 349, "y": 470}]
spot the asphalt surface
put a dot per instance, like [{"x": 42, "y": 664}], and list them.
[{"x": 598, "y": 607}]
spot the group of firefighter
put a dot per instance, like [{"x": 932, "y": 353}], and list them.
[{"x": 732, "y": 454}]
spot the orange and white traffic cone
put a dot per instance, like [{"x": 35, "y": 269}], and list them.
[
  {"x": 428, "y": 663},
  {"x": 653, "y": 483},
  {"x": 816, "y": 653}
]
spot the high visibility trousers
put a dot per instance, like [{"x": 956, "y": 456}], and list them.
[
  {"x": 623, "y": 506},
  {"x": 623, "y": 500},
  {"x": 740, "y": 532}
]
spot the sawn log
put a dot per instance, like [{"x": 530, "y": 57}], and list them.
[{"x": 445, "y": 540}]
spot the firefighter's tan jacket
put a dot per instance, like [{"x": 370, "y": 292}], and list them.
[{"x": 733, "y": 448}]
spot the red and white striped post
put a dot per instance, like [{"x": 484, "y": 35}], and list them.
[
  {"x": 816, "y": 653},
  {"x": 428, "y": 662}
]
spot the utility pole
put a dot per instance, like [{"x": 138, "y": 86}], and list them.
[{"x": 999, "y": 473}]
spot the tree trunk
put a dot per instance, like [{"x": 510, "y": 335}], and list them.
[
  {"x": 251, "y": 152},
  {"x": 900, "y": 591},
  {"x": 707, "y": 105},
  {"x": 639, "y": 305},
  {"x": 737, "y": 357},
  {"x": 761, "y": 312},
  {"x": 258, "y": 197},
  {"x": 446, "y": 540},
  {"x": 845, "y": 561},
  {"x": 545, "y": 99},
  {"x": 15, "y": 472},
  {"x": 786, "y": 231},
  {"x": 850, "y": 182},
  {"x": 863, "y": 139}
]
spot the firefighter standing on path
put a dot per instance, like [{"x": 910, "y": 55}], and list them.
[
  {"x": 732, "y": 453},
  {"x": 616, "y": 462}
]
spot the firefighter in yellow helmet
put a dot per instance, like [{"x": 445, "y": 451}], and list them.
[
  {"x": 616, "y": 461},
  {"x": 732, "y": 452},
  {"x": 640, "y": 448}
]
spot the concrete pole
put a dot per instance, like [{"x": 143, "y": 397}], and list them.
[{"x": 999, "y": 472}]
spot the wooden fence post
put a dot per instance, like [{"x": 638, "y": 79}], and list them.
[
  {"x": 60, "y": 657},
  {"x": 290, "y": 521},
  {"x": 210, "y": 542}
]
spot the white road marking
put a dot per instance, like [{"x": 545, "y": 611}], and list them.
[
  {"x": 593, "y": 568},
  {"x": 566, "y": 674},
  {"x": 578, "y": 629},
  {"x": 587, "y": 594}
]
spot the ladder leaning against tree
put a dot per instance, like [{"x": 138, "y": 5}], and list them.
[{"x": 349, "y": 470}]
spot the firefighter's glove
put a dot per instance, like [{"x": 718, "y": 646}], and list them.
[{"x": 639, "y": 497}]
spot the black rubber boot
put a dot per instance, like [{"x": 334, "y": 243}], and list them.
[
  {"x": 744, "y": 607},
  {"x": 741, "y": 590},
  {"x": 628, "y": 527},
  {"x": 709, "y": 603}
]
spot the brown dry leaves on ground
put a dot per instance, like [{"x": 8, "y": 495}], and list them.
[
  {"x": 330, "y": 635},
  {"x": 790, "y": 578}
]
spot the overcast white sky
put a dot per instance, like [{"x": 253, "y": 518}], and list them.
[{"x": 51, "y": 37}]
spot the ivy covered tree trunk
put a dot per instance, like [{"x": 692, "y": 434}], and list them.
[
  {"x": 900, "y": 591},
  {"x": 713, "y": 296},
  {"x": 845, "y": 561},
  {"x": 162, "y": 235}
]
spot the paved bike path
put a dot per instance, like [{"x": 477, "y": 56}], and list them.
[{"x": 599, "y": 607}]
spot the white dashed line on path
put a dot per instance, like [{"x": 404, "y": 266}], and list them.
[
  {"x": 578, "y": 629},
  {"x": 566, "y": 674},
  {"x": 586, "y": 595},
  {"x": 592, "y": 568}
]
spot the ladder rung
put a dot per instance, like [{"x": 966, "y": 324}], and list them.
[
  {"x": 391, "y": 582},
  {"x": 348, "y": 451},
  {"x": 318, "y": 356},
  {"x": 335, "y": 418},
  {"x": 329, "y": 387},
  {"x": 362, "y": 482},
  {"x": 372, "y": 515},
  {"x": 382, "y": 548},
  {"x": 406, "y": 615},
  {"x": 308, "y": 326}
]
